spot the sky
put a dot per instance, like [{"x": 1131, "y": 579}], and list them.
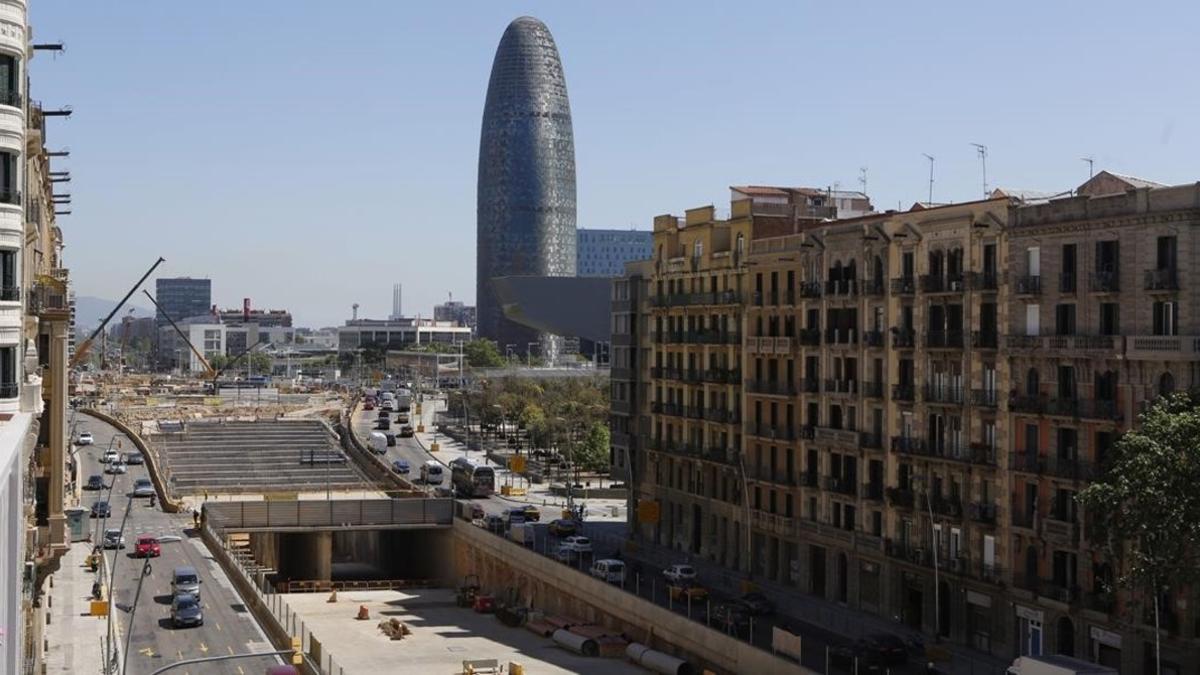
[{"x": 309, "y": 158}]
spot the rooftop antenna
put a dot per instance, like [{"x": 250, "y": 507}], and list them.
[
  {"x": 1091, "y": 162},
  {"x": 930, "y": 158},
  {"x": 982, "y": 150},
  {"x": 862, "y": 178}
]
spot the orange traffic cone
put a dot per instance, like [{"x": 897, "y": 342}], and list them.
[{"x": 363, "y": 614}]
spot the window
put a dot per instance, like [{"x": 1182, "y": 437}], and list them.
[
  {"x": 1033, "y": 319},
  {"x": 1166, "y": 253},
  {"x": 8, "y": 372},
  {"x": 698, "y": 249},
  {"x": 1064, "y": 319},
  {"x": 10, "y": 80},
  {"x": 9, "y": 290},
  {"x": 1067, "y": 281},
  {"x": 1033, "y": 261},
  {"x": 8, "y": 179},
  {"x": 1166, "y": 384},
  {"x": 1110, "y": 318},
  {"x": 1165, "y": 320}
]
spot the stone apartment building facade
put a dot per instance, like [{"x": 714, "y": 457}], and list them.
[{"x": 861, "y": 409}]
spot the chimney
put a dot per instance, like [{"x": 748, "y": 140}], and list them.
[{"x": 246, "y": 310}]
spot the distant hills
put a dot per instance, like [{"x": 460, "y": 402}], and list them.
[{"x": 90, "y": 310}]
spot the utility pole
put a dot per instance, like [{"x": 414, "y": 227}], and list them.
[
  {"x": 982, "y": 150},
  {"x": 930, "y": 158}
]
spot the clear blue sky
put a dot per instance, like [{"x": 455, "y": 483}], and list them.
[{"x": 308, "y": 154}]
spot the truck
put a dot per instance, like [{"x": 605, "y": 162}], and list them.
[
  {"x": 379, "y": 443},
  {"x": 521, "y": 533},
  {"x": 1056, "y": 665},
  {"x": 403, "y": 400}
]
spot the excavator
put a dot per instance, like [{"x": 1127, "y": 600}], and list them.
[
  {"x": 83, "y": 348},
  {"x": 212, "y": 375}
]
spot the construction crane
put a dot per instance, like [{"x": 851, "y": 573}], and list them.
[
  {"x": 234, "y": 361},
  {"x": 209, "y": 371},
  {"x": 81, "y": 351}
]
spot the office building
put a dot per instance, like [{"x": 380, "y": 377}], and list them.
[
  {"x": 265, "y": 318},
  {"x": 399, "y": 333},
  {"x": 603, "y": 253},
  {"x": 456, "y": 311},
  {"x": 894, "y": 412},
  {"x": 526, "y": 189},
  {"x": 205, "y": 335},
  {"x": 182, "y": 298}
]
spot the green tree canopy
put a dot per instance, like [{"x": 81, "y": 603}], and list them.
[
  {"x": 592, "y": 453},
  {"x": 482, "y": 353}
]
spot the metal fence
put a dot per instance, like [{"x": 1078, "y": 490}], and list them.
[{"x": 330, "y": 513}]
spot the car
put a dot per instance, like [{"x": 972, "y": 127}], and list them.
[
  {"x": 142, "y": 487},
  {"x": 401, "y": 467},
  {"x": 578, "y": 543},
  {"x": 891, "y": 648},
  {"x": 383, "y": 424},
  {"x": 532, "y": 513},
  {"x": 147, "y": 547},
  {"x": 855, "y": 655},
  {"x": 494, "y": 524},
  {"x": 566, "y": 554},
  {"x": 185, "y": 581},
  {"x": 514, "y": 516},
  {"x": 406, "y": 431},
  {"x": 113, "y": 539},
  {"x": 95, "y": 482},
  {"x": 85, "y": 438},
  {"x": 756, "y": 604},
  {"x": 369, "y": 405},
  {"x": 477, "y": 512},
  {"x": 101, "y": 509},
  {"x": 110, "y": 455},
  {"x": 402, "y": 418},
  {"x": 679, "y": 573},
  {"x": 730, "y": 618},
  {"x": 609, "y": 570},
  {"x": 185, "y": 611},
  {"x": 383, "y": 414},
  {"x": 388, "y": 405},
  {"x": 390, "y": 439},
  {"x": 563, "y": 527},
  {"x": 134, "y": 458},
  {"x": 688, "y": 591},
  {"x": 115, "y": 468}
]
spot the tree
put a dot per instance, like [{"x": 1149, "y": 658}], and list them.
[
  {"x": 1145, "y": 509},
  {"x": 592, "y": 453},
  {"x": 482, "y": 353}
]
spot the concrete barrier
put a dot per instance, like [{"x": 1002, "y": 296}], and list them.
[
  {"x": 369, "y": 463},
  {"x": 169, "y": 505},
  {"x": 554, "y": 587}
]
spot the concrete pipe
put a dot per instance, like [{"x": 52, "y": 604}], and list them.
[
  {"x": 657, "y": 661},
  {"x": 576, "y": 643}
]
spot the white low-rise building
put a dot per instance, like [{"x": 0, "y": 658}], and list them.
[{"x": 399, "y": 333}]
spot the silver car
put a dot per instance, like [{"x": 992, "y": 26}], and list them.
[
  {"x": 115, "y": 468},
  {"x": 113, "y": 539},
  {"x": 142, "y": 487}
]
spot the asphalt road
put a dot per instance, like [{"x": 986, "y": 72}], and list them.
[{"x": 228, "y": 626}]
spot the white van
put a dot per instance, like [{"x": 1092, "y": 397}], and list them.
[
  {"x": 431, "y": 473},
  {"x": 379, "y": 443},
  {"x": 612, "y": 571}
]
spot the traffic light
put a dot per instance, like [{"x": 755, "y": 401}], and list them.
[{"x": 297, "y": 652}]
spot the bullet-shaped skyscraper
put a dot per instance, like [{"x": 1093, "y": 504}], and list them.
[{"x": 526, "y": 190}]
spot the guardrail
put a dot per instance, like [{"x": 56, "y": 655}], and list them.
[{"x": 336, "y": 513}]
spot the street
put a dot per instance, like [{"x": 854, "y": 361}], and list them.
[{"x": 228, "y": 626}]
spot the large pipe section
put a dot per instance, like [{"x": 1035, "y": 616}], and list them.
[{"x": 657, "y": 661}]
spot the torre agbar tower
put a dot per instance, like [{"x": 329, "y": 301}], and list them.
[{"x": 526, "y": 191}]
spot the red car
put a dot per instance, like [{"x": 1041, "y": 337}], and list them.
[
  {"x": 369, "y": 405},
  {"x": 147, "y": 547}
]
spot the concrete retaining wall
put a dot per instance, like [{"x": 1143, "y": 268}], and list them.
[
  {"x": 169, "y": 505},
  {"x": 550, "y": 586},
  {"x": 369, "y": 463}
]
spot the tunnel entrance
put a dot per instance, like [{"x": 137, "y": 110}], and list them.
[{"x": 355, "y": 555}]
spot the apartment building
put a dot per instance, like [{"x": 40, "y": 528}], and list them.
[{"x": 894, "y": 412}]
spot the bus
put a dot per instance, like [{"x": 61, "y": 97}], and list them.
[{"x": 470, "y": 479}]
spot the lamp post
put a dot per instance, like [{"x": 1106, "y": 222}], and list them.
[{"x": 529, "y": 353}]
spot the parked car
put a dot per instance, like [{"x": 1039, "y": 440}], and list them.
[
  {"x": 612, "y": 571},
  {"x": 757, "y": 604},
  {"x": 101, "y": 509},
  {"x": 134, "y": 458},
  {"x": 113, "y": 539},
  {"x": 185, "y": 611},
  {"x": 563, "y": 527},
  {"x": 579, "y": 544},
  {"x": 142, "y": 487},
  {"x": 85, "y": 438},
  {"x": 566, "y": 554},
  {"x": 401, "y": 467},
  {"x": 532, "y": 513},
  {"x": 514, "y": 516},
  {"x": 406, "y": 431},
  {"x": 678, "y": 574},
  {"x": 95, "y": 482},
  {"x": 730, "y": 618},
  {"x": 147, "y": 547},
  {"x": 185, "y": 581},
  {"x": 494, "y": 524},
  {"x": 110, "y": 455}
]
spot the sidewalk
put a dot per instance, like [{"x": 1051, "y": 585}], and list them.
[
  {"x": 75, "y": 638},
  {"x": 537, "y": 494}
]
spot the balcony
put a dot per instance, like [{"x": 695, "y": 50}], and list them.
[
  {"x": 949, "y": 339},
  {"x": 873, "y": 287},
  {"x": 1162, "y": 347},
  {"x": 1058, "y": 591},
  {"x": 1105, "y": 282},
  {"x": 941, "y": 284},
  {"x": 10, "y": 294},
  {"x": 1101, "y": 601},
  {"x": 871, "y": 441},
  {"x": 10, "y": 195},
  {"x": 900, "y": 497},
  {"x": 1082, "y": 408},
  {"x": 49, "y": 300},
  {"x": 809, "y": 337},
  {"x": 983, "y": 281},
  {"x": 947, "y": 395},
  {"x": 830, "y": 436},
  {"x": 1162, "y": 280},
  {"x": 722, "y": 416},
  {"x": 841, "y": 336},
  {"x": 721, "y": 376},
  {"x": 770, "y": 345},
  {"x": 904, "y": 286},
  {"x": 844, "y": 287},
  {"x": 908, "y": 445},
  {"x": 1029, "y": 285},
  {"x": 810, "y": 386},
  {"x": 873, "y": 338},
  {"x": 771, "y": 387},
  {"x": 985, "y": 398},
  {"x": 904, "y": 392},
  {"x": 904, "y": 338},
  {"x": 872, "y": 389},
  {"x": 712, "y": 337},
  {"x": 1069, "y": 467},
  {"x": 693, "y": 412},
  {"x": 810, "y": 289},
  {"x": 982, "y": 512},
  {"x": 694, "y": 299},
  {"x": 912, "y": 553},
  {"x": 1066, "y": 283},
  {"x": 1064, "y": 343},
  {"x": 841, "y": 485},
  {"x": 872, "y": 491},
  {"x": 841, "y": 387},
  {"x": 771, "y": 432},
  {"x": 809, "y": 479},
  {"x": 1061, "y": 530},
  {"x": 989, "y": 339},
  {"x": 947, "y": 506},
  {"x": 808, "y": 432}
]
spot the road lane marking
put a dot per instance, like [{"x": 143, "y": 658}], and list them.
[
  {"x": 146, "y": 651},
  {"x": 218, "y": 626},
  {"x": 179, "y": 653},
  {"x": 203, "y": 647},
  {"x": 240, "y": 671}
]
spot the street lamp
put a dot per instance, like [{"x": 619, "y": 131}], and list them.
[{"x": 529, "y": 353}]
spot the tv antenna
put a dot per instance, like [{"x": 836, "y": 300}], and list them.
[
  {"x": 982, "y": 151},
  {"x": 1091, "y": 162},
  {"x": 930, "y": 158},
  {"x": 862, "y": 179}
]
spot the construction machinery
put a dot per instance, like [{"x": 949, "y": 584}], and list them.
[
  {"x": 209, "y": 371},
  {"x": 82, "y": 350},
  {"x": 467, "y": 590},
  {"x": 234, "y": 361}
]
